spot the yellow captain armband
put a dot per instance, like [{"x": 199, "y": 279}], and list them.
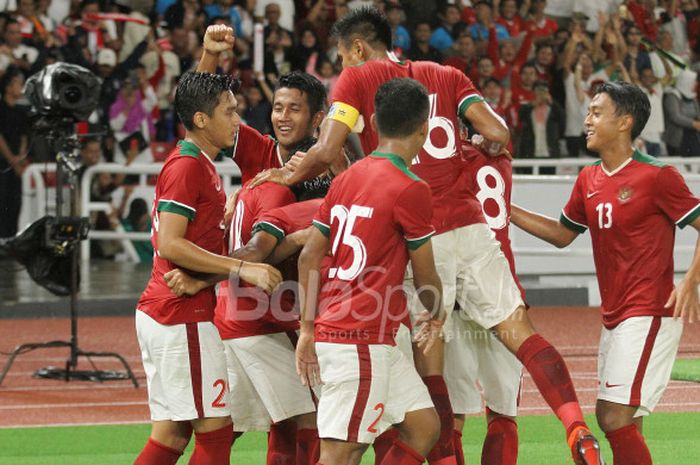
[{"x": 344, "y": 113}]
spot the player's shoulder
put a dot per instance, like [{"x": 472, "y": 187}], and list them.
[
  {"x": 184, "y": 156},
  {"x": 648, "y": 161}
]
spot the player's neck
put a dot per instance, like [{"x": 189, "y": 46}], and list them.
[
  {"x": 399, "y": 147},
  {"x": 377, "y": 55},
  {"x": 209, "y": 149},
  {"x": 616, "y": 154}
]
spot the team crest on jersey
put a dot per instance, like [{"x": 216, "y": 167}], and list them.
[{"x": 624, "y": 194}]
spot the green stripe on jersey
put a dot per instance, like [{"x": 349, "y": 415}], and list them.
[
  {"x": 270, "y": 229},
  {"x": 325, "y": 230},
  {"x": 414, "y": 244},
  {"x": 171, "y": 206},
  {"x": 467, "y": 102},
  {"x": 575, "y": 227},
  {"x": 188, "y": 149},
  {"x": 398, "y": 162},
  {"x": 689, "y": 217},
  {"x": 648, "y": 159}
]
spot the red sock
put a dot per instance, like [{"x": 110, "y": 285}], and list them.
[
  {"x": 282, "y": 443},
  {"x": 383, "y": 443},
  {"x": 402, "y": 454},
  {"x": 552, "y": 378},
  {"x": 628, "y": 446},
  {"x": 213, "y": 448},
  {"x": 155, "y": 453},
  {"x": 501, "y": 443},
  {"x": 308, "y": 446},
  {"x": 443, "y": 451},
  {"x": 459, "y": 451}
]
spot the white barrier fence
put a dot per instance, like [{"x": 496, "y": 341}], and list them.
[{"x": 544, "y": 194}]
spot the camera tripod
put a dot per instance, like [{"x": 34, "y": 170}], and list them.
[{"x": 66, "y": 159}]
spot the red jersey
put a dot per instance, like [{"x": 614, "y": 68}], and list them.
[
  {"x": 188, "y": 185},
  {"x": 438, "y": 163},
  {"x": 632, "y": 213},
  {"x": 373, "y": 214},
  {"x": 544, "y": 28},
  {"x": 514, "y": 26},
  {"x": 246, "y": 317},
  {"x": 493, "y": 184},
  {"x": 254, "y": 153}
]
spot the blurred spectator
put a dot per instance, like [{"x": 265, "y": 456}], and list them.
[
  {"x": 285, "y": 11},
  {"x": 400, "y": 36},
  {"x": 14, "y": 133},
  {"x": 559, "y": 10},
  {"x": 188, "y": 14},
  {"x": 138, "y": 219},
  {"x": 496, "y": 97},
  {"x": 485, "y": 22},
  {"x": 309, "y": 47},
  {"x": 636, "y": 56},
  {"x": 226, "y": 9},
  {"x": 522, "y": 92},
  {"x": 506, "y": 58},
  {"x": 131, "y": 120},
  {"x": 541, "y": 126},
  {"x": 651, "y": 134},
  {"x": 323, "y": 70},
  {"x": 462, "y": 55},
  {"x": 544, "y": 28},
  {"x": 509, "y": 17},
  {"x": 421, "y": 48},
  {"x": 242, "y": 106},
  {"x": 13, "y": 51},
  {"x": 544, "y": 61},
  {"x": 257, "y": 115},
  {"x": 136, "y": 32},
  {"x": 278, "y": 52},
  {"x": 485, "y": 71},
  {"x": 442, "y": 37},
  {"x": 682, "y": 112}
]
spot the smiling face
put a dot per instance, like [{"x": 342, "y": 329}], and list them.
[
  {"x": 222, "y": 126},
  {"x": 291, "y": 117},
  {"x": 603, "y": 126}
]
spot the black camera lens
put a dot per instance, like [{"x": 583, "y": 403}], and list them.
[{"x": 72, "y": 94}]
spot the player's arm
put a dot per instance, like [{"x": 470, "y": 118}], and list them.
[
  {"x": 319, "y": 158},
  {"x": 290, "y": 245},
  {"x": 685, "y": 295},
  {"x": 217, "y": 39},
  {"x": 491, "y": 127},
  {"x": 541, "y": 226},
  {"x": 258, "y": 248},
  {"x": 173, "y": 246},
  {"x": 429, "y": 288},
  {"x": 309, "y": 282}
]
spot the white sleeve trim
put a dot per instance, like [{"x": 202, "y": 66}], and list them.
[
  {"x": 574, "y": 222},
  {"x": 177, "y": 203},
  {"x": 690, "y": 212}
]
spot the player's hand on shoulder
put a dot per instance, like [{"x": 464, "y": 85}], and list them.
[
  {"x": 182, "y": 284},
  {"x": 306, "y": 360},
  {"x": 261, "y": 275},
  {"x": 685, "y": 302},
  {"x": 277, "y": 175},
  {"x": 490, "y": 148},
  {"x": 218, "y": 38},
  {"x": 230, "y": 207},
  {"x": 428, "y": 330},
  {"x": 293, "y": 162}
]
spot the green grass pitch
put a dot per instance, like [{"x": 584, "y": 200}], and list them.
[{"x": 672, "y": 437}]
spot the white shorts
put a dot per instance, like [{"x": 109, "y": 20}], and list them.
[
  {"x": 185, "y": 369},
  {"x": 474, "y": 357},
  {"x": 635, "y": 360},
  {"x": 265, "y": 387},
  {"x": 474, "y": 273},
  {"x": 365, "y": 390}
]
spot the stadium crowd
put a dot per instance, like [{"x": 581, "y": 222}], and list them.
[{"x": 534, "y": 61}]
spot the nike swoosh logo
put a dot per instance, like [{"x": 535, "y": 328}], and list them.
[
  {"x": 608, "y": 385},
  {"x": 591, "y": 194}
]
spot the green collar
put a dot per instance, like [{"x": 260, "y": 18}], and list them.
[{"x": 397, "y": 161}]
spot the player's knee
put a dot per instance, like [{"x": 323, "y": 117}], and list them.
[
  {"x": 421, "y": 431},
  {"x": 611, "y": 417},
  {"x": 306, "y": 421}
]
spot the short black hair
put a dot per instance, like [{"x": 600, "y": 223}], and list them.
[
  {"x": 200, "y": 92},
  {"x": 401, "y": 105},
  {"x": 628, "y": 100},
  {"x": 308, "y": 85},
  {"x": 367, "y": 23}
]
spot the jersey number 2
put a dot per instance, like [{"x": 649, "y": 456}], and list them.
[
  {"x": 346, "y": 223},
  {"x": 218, "y": 402}
]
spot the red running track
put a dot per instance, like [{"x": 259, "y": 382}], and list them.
[{"x": 25, "y": 401}]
